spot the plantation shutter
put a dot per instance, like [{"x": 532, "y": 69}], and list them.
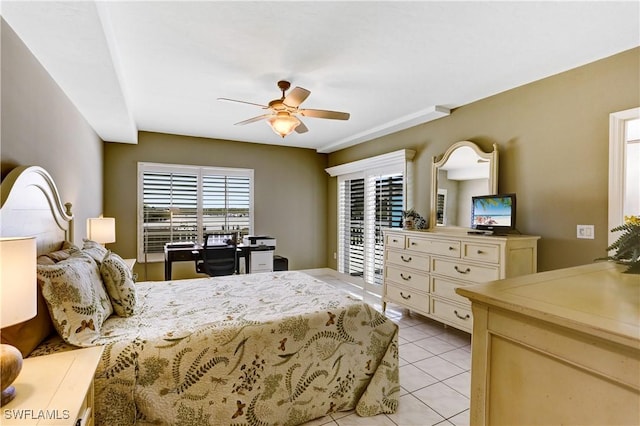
[
  {"x": 170, "y": 208},
  {"x": 183, "y": 203},
  {"x": 226, "y": 203},
  {"x": 387, "y": 205},
  {"x": 372, "y": 194},
  {"x": 351, "y": 227}
]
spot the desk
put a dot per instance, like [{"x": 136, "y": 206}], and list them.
[{"x": 193, "y": 254}]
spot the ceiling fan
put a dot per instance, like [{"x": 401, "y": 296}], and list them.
[{"x": 282, "y": 117}]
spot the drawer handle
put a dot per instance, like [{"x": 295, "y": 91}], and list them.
[
  {"x": 466, "y": 271},
  {"x": 451, "y": 248},
  {"x": 394, "y": 240},
  {"x": 466, "y": 317},
  {"x": 405, "y": 260},
  {"x": 405, "y": 297},
  {"x": 407, "y": 278},
  {"x": 480, "y": 252},
  {"x": 413, "y": 243}
]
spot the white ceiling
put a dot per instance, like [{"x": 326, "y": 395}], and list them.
[{"x": 160, "y": 66}]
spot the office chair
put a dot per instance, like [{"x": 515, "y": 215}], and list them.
[{"x": 218, "y": 259}]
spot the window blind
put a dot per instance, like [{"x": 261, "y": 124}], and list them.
[
  {"x": 388, "y": 204},
  {"x": 182, "y": 203},
  {"x": 351, "y": 228},
  {"x": 226, "y": 203},
  {"x": 367, "y": 204}
]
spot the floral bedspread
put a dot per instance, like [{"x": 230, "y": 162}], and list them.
[{"x": 277, "y": 348}]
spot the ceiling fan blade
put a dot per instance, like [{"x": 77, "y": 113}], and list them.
[
  {"x": 296, "y": 96},
  {"x": 253, "y": 120},
  {"x": 242, "y": 102},
  {"x": 321, "y": 113},
  {"x": 301, "y": 128}
]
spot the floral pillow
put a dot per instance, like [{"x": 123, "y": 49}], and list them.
[
  {"x": 77, "y": 300},
  {"x": 63, "y": 253},
  {"x": 118, "y": 279},
  {"x": 96, "y": 250}
]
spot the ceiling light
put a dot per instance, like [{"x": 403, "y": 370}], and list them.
[{"x": 283, "y": 123}]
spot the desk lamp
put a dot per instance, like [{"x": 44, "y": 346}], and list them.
[{"x": 18, "y": 302}]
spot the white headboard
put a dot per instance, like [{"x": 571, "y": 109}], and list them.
[{"x": 30, "y": 206}]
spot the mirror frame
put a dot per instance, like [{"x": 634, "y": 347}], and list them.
[{"x": 492, "y": 157}]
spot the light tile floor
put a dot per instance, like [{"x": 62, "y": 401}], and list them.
[{"x": 435, "y": 365}]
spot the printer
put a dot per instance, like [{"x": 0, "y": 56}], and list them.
[
  {"x": 261, "y": 249},
  {"x": 260, "y": 241}
]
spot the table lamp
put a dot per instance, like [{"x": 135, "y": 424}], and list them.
[
  {"x": 101, "y": 229},
  {"x": 18, "y": 302}
]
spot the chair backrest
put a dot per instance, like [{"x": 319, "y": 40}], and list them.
[
  {"x": 220, "y": 258},
  {"x": 220, "y": 238}
]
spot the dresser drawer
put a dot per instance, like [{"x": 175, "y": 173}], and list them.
[
  {"x": 408, "y": 298},
  {"x": 408, "y": 278},
  {"x": 408, "y": 259},
  {"x": 447, "y": 290},
  {"x": 482, "y": 252},
  {"x": 464, "y": 271},
  {"x": 452, "y": 313},
  {"x": 396, "y": 241},
  {"x": 439, "y": 247}
]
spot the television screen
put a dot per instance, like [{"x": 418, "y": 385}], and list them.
[{"x": 495, "y": 213}]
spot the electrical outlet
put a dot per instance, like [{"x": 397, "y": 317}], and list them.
[
  {"x": 335, "y": 255},
  {"x": 586, "y": 232}
]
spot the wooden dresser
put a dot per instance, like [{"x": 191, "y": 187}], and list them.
[
  {"x": 422, "y": 269},
  {"x": 559, "y": 347}
]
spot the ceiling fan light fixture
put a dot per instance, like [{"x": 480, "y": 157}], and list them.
[{"x": 283, "y": 123}]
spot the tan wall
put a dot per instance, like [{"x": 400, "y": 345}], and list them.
[
  {"x": 552, "y": 136},
  {"x": 289, "y": 192},
  {"x": 41, "y": 127},
  {"x": 553, "y": 141}
]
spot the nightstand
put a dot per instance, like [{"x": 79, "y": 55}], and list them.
[
  {"x": 131, "y": 263},
  {"x": 55, "y": 389}
]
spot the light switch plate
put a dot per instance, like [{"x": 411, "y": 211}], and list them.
[{"x": 586, "y": 232}]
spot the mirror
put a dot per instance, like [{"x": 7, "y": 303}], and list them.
[
  {"x": 462, "y": 172},
  {"x": 624, "y": 162}
]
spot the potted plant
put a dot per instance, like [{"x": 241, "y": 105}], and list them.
[
  {"x": 627, "y": 246},
  {"x": 412, "y": 220}
]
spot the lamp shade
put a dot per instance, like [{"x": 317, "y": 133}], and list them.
[
  {"x": 283, "y": 123},
  {"x": 101, "y": 229},
  {"x": 18, "y": 300}
]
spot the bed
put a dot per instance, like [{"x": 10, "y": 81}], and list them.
[{"x": 259, "y": 349}]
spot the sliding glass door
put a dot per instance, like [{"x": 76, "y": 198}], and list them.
[{"x": 368, "y": 203}]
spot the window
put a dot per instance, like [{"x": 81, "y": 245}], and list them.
[
  {"x": 182, "y": 203},
  {"x": 372, "y": 194},
  {"x": 624, "y": 158}
]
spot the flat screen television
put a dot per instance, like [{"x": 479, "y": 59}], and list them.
[{"x": 494, "y": 213}]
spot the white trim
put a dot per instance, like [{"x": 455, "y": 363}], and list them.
[
  {"x": 617, "y": 141},
  {"x": 428, "y": 114},
  {"x": 395, "y": 158}
]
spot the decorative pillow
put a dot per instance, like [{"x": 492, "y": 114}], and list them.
[
  {"x": 96, "y": 250},
  {"x": 77, "y": 300},
  {"x": 44, "y": 260},
  {"x": 118, "y": 279},
  {"x": 56, "y": 256}
]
